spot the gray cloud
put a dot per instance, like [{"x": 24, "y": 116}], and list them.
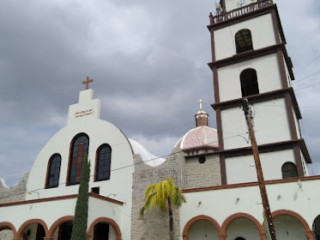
[{"x": 148, "y": 60}]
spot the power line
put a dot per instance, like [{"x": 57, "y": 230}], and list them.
[{"x": 124, "y": 167}]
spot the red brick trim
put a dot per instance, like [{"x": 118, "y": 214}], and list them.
[
  {"x": 38, "y": 200},
  {"x": 9, "y": 226},
  {"x": 269, "y": 147},
  {"x": 105, "y": 220},
  {"x": 31, "y": 221},
  {"x": 94, "y": 195},
  {"x": 91, "y": 194},
  {"x": 232, "y": 217},
  {"x": 213, "y": 52},
  {"x": 260, "y": 98},
  {"x": 297, "y": 216},
  {"x": 186, "y": 229},
  {"x": 244, "y": 56},
  {"x": 251, "y": 184},
  {"x": 58, "y": 223}
]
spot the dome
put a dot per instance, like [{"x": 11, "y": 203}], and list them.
[
  {"x": 199, "y": 137},
  {"x": 147, "y": 157}
]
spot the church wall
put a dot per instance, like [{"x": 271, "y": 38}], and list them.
[
  {"x": 14, "y": 194},
  {"x": 296, "y": 123},
  {"x": 203, "y": 230},
  {"x": 187, "y": 173},
  {"x": 261, "y": 37},
  {"x": 32, "y": 228},
  {"x": 99, "y": 132},
  {"x": 244, "y": 228},
  {"x": 47, "y": 211},
  {"x": 241, "y": 169},
  {"x": 6, "y": 235},
  {"x": 296, "y": 197},
  {"x": 304, "y": 165},
  {"x": 220, "y": 204},
  {"x": 267, "y": 129},
  {"x": 287, "y": 73},
  {"x": 155, "y": 224},
  {"x": 289, "y": 228},
  {"x": 51, "y": 211},
  {"x": 202, "y": 175},
  {"x": 268, "y": 76}
]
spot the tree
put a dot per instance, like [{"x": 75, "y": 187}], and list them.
[
  {"x": 163, "y": 195},
  {"x": 79, "y": 229}
]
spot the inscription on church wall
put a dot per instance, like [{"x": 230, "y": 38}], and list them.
[{"x": 84, "y": 113}]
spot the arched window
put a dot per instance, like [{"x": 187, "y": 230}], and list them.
[
  {"x": 289, "y": 170},
  {"x": 103, "y": 163},
  {"x": 78, "y": 152},
  {"x": 249, "y": 82},
  {"x": 243, "y": 40},
  {"x": 53, "y": 172}
]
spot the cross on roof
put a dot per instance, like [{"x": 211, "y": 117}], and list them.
[
  {"x": 87, "y": 82},
  {"x": 200, "y": 102}
]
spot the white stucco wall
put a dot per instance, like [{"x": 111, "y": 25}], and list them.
[
  {"x": 270, "y": 124},
  {"x": 261, "y": 36},
  {"x": 203, "y": 230},
  {"x": 84, "y": 118},
  {"x": 268, "y": 76},
  {"x": 99, "y": 132},
  {"x": 51, "y": 211},
  {"x": 242, "y": 169},
  {"x": 298, "y": 197},
  {"x": 244, "y": 228}
]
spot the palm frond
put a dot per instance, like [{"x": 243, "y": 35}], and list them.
[{"x": 158, "y": 195}]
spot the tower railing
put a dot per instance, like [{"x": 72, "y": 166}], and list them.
[{"x": 240, "y": 11}]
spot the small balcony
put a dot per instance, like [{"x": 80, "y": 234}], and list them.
[{"x": 222, "y": 17}]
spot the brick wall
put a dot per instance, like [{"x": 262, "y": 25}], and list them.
[
  {"x": 187, "y": 173},
  {"x": 14, "y": 194},
  {"x": 154, "y": 224},
  {"x": 202, "y": 174}
]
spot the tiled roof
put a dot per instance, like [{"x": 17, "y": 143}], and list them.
[{"x": 202, "y": 136}]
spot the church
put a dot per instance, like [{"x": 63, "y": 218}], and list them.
[{"x": 215, "y": 168}]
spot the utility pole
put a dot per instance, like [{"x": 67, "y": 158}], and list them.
[{"x": 262, "y": 186}]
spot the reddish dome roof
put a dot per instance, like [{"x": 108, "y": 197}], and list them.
[{"x": 201, "y": 136}]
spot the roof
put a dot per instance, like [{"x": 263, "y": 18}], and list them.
[
  {"x": 147, "y": 157},
  {"x": 199, "y": 137}
]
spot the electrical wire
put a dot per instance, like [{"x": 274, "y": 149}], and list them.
[{"x": 123, "y": 167}]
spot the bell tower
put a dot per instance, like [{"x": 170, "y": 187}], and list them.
[{"x": 250, "y": 60}]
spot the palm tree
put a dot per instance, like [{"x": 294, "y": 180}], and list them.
[{"x": 163, "y": 195}]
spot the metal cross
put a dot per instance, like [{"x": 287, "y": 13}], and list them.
[
  {"x": 200, "y": 102},
  {"x": 87, "y": 82}
]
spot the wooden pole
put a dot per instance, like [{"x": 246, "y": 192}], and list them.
[{"x": 262, "y": 186}]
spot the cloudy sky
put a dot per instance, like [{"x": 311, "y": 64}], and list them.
[{"x": 148, "y": 60}]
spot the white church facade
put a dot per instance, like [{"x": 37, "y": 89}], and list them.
[{"x": 214, "y": 167}]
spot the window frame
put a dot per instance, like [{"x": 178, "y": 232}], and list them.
[
  {"x": 240, "y": 36},
  {"x": 97, "y": 163},
  {"x": 293, "y": 170},
  {"x": 83, "y": 155},
  {"x": 249, "y": 82},
  {"x": 49, "y": 169}
]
